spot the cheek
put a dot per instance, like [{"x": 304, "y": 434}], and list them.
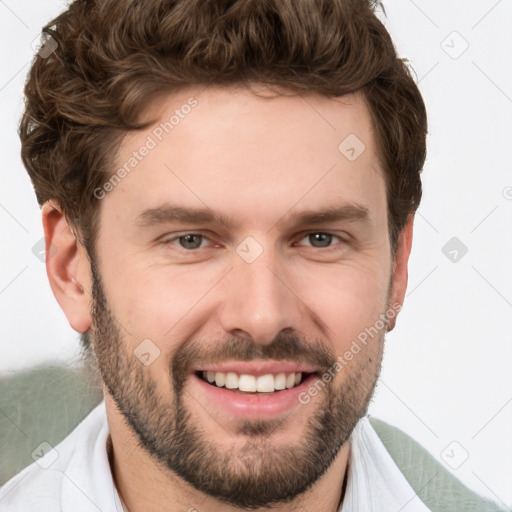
[
  {"x": 160, "y": 301},
  {"x": 346, "y": 299},
  {"x": 155, "y": 301}
]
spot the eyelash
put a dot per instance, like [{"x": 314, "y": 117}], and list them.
[{"x": 170, "y": 241}]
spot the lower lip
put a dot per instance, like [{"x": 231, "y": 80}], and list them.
[{"x": 259, "y": 406}]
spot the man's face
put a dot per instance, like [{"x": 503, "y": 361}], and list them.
[{"x": 259, "y": 295}]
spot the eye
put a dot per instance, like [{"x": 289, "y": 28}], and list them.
[
  {"x": 193, "y": 241},
  {"x": 188, "y": 241},
  {"x": 320, "y": 240}
]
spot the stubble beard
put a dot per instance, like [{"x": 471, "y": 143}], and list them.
[{"x": 257, "y": 473}]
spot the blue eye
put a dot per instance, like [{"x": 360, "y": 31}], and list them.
[
  {"x": 322, "y": 239},
  {"x": 189, "y": 241},
  {"x": 194, "y": 241}
]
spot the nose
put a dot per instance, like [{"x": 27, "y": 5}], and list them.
[{"x": 259, "y": 299}]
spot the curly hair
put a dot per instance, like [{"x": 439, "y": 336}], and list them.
[{"x": 111, "y": 57}]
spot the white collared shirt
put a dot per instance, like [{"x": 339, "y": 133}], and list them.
[
  {"x": 75, "y": 476},
  {"x": 375, "y": 484}
]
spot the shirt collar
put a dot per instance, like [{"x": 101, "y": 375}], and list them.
[{"x": 375, "y": 483}]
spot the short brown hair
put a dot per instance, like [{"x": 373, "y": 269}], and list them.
[{"x": 113, "y": 56}]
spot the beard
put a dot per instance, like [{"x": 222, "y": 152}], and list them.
[{"x": 257, "y": 472}]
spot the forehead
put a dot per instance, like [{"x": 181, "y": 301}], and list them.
[{"x": 235, "y": 153}]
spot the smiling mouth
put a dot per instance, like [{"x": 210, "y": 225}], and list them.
[{"x": 267, "y": 383}]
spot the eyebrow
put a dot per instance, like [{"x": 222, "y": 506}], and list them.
[{"x": 167, "y": 213}]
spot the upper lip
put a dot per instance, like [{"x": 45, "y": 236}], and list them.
[{"x": 258, "y": 368}]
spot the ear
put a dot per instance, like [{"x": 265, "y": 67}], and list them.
[
  {"x": 400, "y": 272},
  {"x": 68, "y": 268}
]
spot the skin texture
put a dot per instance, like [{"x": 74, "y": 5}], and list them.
[{"x": 260, "y": 162}]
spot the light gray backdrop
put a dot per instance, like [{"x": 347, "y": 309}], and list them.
[{"x": 447, "y": 378}]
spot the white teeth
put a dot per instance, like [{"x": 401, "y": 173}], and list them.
[
  {"x": 231, "y": 380},
  {"x": 265, "y": 384},
  {"x": 280, "y": 381},
  {"x": 220, "y": 379},
  {"x": 249, "y": 383}
]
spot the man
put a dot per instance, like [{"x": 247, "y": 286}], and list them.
[{"x": 228, "y": 192}]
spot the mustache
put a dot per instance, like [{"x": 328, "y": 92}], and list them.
[{"x": 287, "y": 346}]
